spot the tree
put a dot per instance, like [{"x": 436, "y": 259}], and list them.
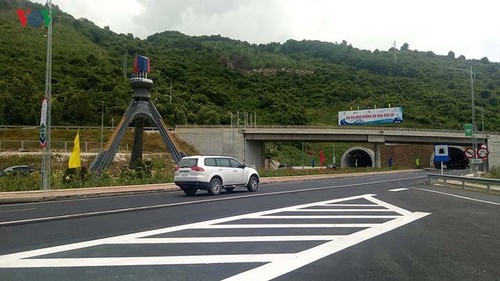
[
  {"x": 22, "y": 103},
  {"x": 297, "y": 82},
  {"x": 79, "y": 109},
  {"x": 180, "y": 117}
]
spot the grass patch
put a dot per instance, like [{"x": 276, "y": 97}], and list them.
[
  {"x": 160, "y": 171},
  {"x": 118, "y": 173},
  {"x": 493, "y": 173}
]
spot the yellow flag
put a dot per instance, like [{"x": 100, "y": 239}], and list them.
[{"x": 74, "y": 158}]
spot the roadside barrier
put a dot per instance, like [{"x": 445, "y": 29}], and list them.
[{"x": 489, "y": 184}]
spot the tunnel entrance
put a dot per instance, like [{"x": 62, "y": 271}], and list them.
[
  {"x": 458, "y": 159},
  {"x": 358, "y": 157}
]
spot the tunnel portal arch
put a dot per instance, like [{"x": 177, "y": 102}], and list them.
[{"x": 358, "y": 157}]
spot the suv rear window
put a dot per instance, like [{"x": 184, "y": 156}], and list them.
[{"x": 188, "y": 162}]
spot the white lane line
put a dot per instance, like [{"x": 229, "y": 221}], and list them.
[
  {"x": 133, "y": 209},
  {"x": 111, "y": 212},
  {"x": 250, "y": 195},
  {"x": 10, "y": 259},
  {"x": 230, "y": 239},
  {"x": 399, "y": 189},
  {"x": 457, "y": 196},
  {"x": 389, "y": 206},
  {"x": 135, "y": 261},
  {"x": 284, "y": 225},
  {"x": 340, "y": 210},
  {"x": 282, "y": 266},
  {"x": 276, "y": 264},
  {"x": 328, "y": 217},
  {"x": 352, "y": 205}
]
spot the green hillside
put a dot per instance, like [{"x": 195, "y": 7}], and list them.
[{"x": 294, "y": 83}]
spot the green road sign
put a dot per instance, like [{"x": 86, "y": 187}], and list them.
[{"x": 468, "y": 129}]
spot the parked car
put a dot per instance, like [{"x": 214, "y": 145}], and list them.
[
  {"x": 332, "y": 166},
  {"x": 214, "y": 173},
  {"x": 284, "y": 166},
  {"x": 16, "y": 170}
]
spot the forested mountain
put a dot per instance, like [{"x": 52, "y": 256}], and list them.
[{"x": 294, "y": 83}]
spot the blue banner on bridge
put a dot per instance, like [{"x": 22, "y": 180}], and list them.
[{"x": 371, "y": 116}]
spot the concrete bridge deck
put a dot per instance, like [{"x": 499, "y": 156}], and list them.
[{"x": 246, "y": 143}]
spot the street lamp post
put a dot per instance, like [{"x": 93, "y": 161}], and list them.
[
  {"x": 483, "y": 138},
  {"x": 472, "y": 76}
]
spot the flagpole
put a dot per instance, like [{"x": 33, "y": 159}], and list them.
[{"x": 48, "y": 94}]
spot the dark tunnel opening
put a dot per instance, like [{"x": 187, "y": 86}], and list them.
[
  {"x": 458, "y": 159},
  {"x": 358, "y": 158}
]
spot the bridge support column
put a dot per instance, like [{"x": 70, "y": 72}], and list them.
[
  {"x": 376, "y": 147},
  {"x": 494, "y": 149},
  {"x": 254, "y": 153}
]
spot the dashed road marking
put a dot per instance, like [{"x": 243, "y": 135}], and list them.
[{"x": 398, "y": 189}]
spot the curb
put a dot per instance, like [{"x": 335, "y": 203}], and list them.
[{"x": 88, "y": 192}]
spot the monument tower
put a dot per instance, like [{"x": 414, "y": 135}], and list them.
[{"x": 140, "y": 109}]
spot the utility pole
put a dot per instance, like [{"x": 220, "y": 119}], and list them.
[
  {"x": 473, "y": 109},
  {"x": 472, "y": 76},
  {"x": 45, "y": 169}
]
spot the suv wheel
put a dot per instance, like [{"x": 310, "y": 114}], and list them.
[
  {"x": 189, "y": 191},
  {"x": 253, "y": 184},
  {"x": 215, "y": 186}
]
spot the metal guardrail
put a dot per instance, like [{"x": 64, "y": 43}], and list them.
[{"x": 476, "y": 182}]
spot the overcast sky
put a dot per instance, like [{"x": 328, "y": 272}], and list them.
[{"x": 469, "y": 28}]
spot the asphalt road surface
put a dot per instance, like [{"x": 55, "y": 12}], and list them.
[{"x": 382, "y": 227}]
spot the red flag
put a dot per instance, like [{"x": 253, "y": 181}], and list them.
[{"x": 322, "y": 158}]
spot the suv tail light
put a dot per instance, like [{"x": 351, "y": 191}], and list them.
[
  {"x": 197, "y": 169},
  {"x": 176, "y": 168}
]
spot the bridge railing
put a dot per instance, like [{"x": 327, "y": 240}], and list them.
[
  {"x": 332, "y": 127},
  {"x": 312, "y": 127},
  {"x": 489, "y": 184},
  {"x": 264, "y": 127}
]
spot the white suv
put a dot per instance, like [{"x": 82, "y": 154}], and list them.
[{"x": 213, "y": 173}]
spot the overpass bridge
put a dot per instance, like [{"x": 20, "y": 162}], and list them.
[{"x": 247, "y": 143}]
